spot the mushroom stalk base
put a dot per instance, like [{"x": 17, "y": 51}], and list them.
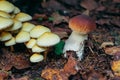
[{"x": 75, "y": 42}]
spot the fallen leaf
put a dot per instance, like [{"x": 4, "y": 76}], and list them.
[
  {"x": 115, "y": 22},
  {"x": 21, "y": 78},
  {"x": 52, "y": 5},
  {"x": 9, "y": 60},
  {"x": 59, "y": 18},
  {"x": 5, "y": 60},
  {"x": 70, "y": 2},
  {"x": 113, "y": 50},
  {"x": 51, "y": 74},
  {"x": 89, "y": 4},
  {"x": 20, "y": 62},
  {"x": 103, "y": 21},
  {"x": 70, "y": 66},
  {"x": 37, "y": 16},
  {"x": 3, "y": 75},
  {"x": 100, "y": 8},
  {"x": 93, "y": 75},
  {"x": 105, "y": 44},
  {"x": 116, "y": 67},
  {"x": 116, "y": 1}
]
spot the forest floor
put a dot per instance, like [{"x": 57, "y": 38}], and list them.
[{"x": 101, "y": 59}]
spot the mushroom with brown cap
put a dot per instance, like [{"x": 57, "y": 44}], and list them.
[{"x": 80, "y": 25}]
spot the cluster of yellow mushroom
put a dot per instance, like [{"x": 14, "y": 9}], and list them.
[
  {"x": 38, "y": 39},
  {"x": 15, "y": 28},
  {"x": 11, "y": 21}
]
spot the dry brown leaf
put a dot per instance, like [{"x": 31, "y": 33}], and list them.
[
  {"x": 61, "y": 32},
  {"x": 52, "y": 5},
  {"x": 61, "y": 74},
  {"x": 8, "y": 60},
  {"x": 104, "y": 44},
  {"x": 22, "y": 78},
  {"x": 89, "y": 4},
  {"x": 5, "y": 60},
  {"x": 115, "y": 22},
  {"x": 116, "y": 67},
  {"x": 20, "y": 62},
  {"x": 101, "y": 8},
  {"x": 113, "y": 50},
  {"x": 93, "y": 75},
  {"x": 103, "y": 21},
  {"x": 3, "y": 75},
  {"x": 37, "y": 16},
  {"x": 51, "y": 74},
  {"x": 116, "y": 1},
  {"x": 59, "y": 18},
  {"x": 70, "y": 66}
]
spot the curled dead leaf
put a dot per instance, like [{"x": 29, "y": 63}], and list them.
[
  {"x": 89, "y": 4},
  {"x": 37, "y": 16},
  {"x": 21, "y": 78},
  {"x": 3, "y": 75},
  {"x": 116, "y": 1},
  {"x": 51, "y": 74},
  {"x": 116, "y": 67},
  {"x": 59, "y": 18},
  {"x": 70, "y": 66},
  {"x": 52, "y": 5},
  {"x": 20, "y": 62},
  {"x": 9, "y": 60},
  {"x": 104, "y": 44},
  {"x": 113, "y": 50},
  {"x": 93, "y": 75},
  {"x": 61, "y": 74}
]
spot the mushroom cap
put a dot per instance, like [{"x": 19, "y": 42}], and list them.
[
  {"x": 36, "y": 58},
  {"x": 82, "y": 24},
  {"x": 31, "y": 43},
  {"x": 5, "y": 22},
  {"x": 37, "y": 48},
  {"x": 10, "y": 42},
  {"x": 38, "y": 31},
  {"x": 22, "y": 37},
  {"x": 16, "y": 25},
  {"x": 16, "y": 10},
  {"x": 27, "y": 26},
  {"x": 48, "y": 39},
  {"x": 5, "y": 36},
  {"x": 4, "y": 14},
  {"x": 23, "y": 17},
  {"x": 6, "y": 6}
]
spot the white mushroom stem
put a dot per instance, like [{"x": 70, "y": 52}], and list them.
[{"x": 75, "y": 42}]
